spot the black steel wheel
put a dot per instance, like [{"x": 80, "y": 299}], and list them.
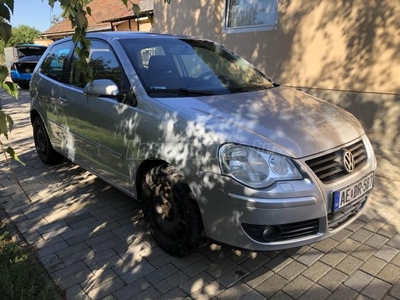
[
  {"x": 172, "y": 211},
  {"x": 43, "y": 146}
]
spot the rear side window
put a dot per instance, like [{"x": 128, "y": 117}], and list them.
[{"x": 56, "y": 60}]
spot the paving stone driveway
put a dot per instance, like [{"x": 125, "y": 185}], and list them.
[{"x": 94, "y": 243}]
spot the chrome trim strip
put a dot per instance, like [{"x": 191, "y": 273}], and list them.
[{"x": 253, "y": 203}]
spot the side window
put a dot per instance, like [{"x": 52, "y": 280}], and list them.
[
  {"x": 55, "y": 62},
  {"x": 104, "y": 65}
]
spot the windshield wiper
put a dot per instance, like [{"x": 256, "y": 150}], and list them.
[{"x": 180, "y": 91}]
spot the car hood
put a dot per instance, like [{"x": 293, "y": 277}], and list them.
[{"x": 281, "y": 119}]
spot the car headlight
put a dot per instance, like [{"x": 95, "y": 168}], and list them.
[{"x": 255, "y": 168}]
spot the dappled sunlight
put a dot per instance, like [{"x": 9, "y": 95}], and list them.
[
  {"x": 343, "y": 49},
  {"x": 77, "y": 220}
]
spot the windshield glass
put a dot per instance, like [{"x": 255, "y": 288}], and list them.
[{"x": 169, "y": 67}]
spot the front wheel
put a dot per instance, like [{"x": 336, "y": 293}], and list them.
[
  {"x": 172, "y": 211},
  {"x": 43, "y": 146}
]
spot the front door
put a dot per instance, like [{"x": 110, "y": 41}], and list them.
[{"x": 96, "y": 124}]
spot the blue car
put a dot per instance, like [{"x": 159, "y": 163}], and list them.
[{"x": 28, "y": 57}]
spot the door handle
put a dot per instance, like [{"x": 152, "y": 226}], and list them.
[{"x": 63, "y": 101}]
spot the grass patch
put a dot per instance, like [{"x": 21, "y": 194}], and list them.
[{"x": 21, "y": 275}]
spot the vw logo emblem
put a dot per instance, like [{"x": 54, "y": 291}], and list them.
[{"x": 348, "y": 161}]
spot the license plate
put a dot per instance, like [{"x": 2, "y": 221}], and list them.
[{"x": 347, "y": 195}]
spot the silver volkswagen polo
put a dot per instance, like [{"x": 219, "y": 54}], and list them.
[{"x": 205, "y": 141}]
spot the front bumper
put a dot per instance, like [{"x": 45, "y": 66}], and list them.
[{"x": 302, "y": 210}]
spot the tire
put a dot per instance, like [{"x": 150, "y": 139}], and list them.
[
  {"x": 172, "y": 211},
  {"x": 43, "y": 146}
]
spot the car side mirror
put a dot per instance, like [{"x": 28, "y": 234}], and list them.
[{"x": 101, "y": 87}]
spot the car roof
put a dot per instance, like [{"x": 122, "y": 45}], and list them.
[{"x": 116, "y": 35}]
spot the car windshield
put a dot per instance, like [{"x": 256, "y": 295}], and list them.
[{"x": 170, "y": 67}]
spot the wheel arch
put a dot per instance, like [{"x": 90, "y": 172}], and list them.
[
  {"x": 143, "y": 169},
  {"x": 34, "y": 113}
]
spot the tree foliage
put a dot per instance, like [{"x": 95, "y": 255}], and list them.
[
  {"x": 23, "y": 34},
  {"x": 76, "y": 11}
]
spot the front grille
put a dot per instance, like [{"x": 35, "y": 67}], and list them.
[
  {"x": 286, "y": 231},
  {"x": 26, "y": 67},
  {"x": 330, "y": 167},
  {"x": 299, "y": 229},
  {"x": 346, "y": 213}
]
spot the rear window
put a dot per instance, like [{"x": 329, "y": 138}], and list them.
[{"x": 30, "y": 50}]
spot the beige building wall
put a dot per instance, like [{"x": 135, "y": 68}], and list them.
[
  {"x": 132, "y": 25},
  {"x": 343, "y": 50}
]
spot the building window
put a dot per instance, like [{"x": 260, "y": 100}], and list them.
[{"x": 250, "y": 15}]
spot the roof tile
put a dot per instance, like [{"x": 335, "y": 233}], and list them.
[{"x": 101, "y": 10}]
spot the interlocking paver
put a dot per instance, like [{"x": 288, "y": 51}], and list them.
[
  {"x": 198, "y": 267},
  {"x": 297, "y": 286},
  {"x": 255, "y": 261},
  {"x": 132, "y": 289},
  {"x": 176, "y": 294},
  {"x": 232, "y": 276},
  {"x": 376, "y": 289},
  {"x": 316, "y": 292},
  {"x": 222, "y": 267},
  {"x": 373, "y": 265},
  {"x": 361, "y": 235},
  {"x": 394, "y": 241},
  {"x": 253, "y": 295},
  {"x": 364, "y": 252},
  {"x": 235, "y": 292},
  {"x": 376, "y": 241},
  {"x": 292, "y": 270},
  {"x": 271, "y": 286},
  {"x": 161, "y": 273},
  {"x": 310, "y": 256},
  {"x": 358, "y": 280},
  {"x": 386, "y": 253},
  {"x": 342, "y": 235},
  {"x": 343, "y": 293},
  {"x": 316, "y": 271},
  {"x": 95, "y": 244},
  {"x": 349, "y": 265},
  {"x": 195, "y": 283},
  {"x": 76, "y": 292},
  {"x": 209, "y": 291},
  {"x": 395, "y": 290},
  {"x": 332, "y": 279},
  {"x": 280, "y": 296},
  {"x": 326, "y": 245},
  {"x": 390, "y": 273},
  {"x": 348, "y": 245},
  {"x": 135, "y": 270},
  {"x": 257, "y": 277},
  {"x": 171, "y": 282},
  {"x": 105, "y": 289}
]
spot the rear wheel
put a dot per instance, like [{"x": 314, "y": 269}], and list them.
[
  {"x": 172, "y": 211},
  {"x": 43, "y": 146}
]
